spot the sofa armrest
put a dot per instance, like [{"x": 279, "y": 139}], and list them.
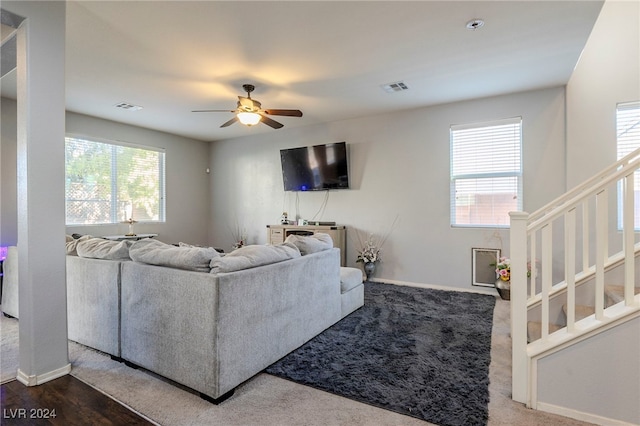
[
  {"x": 93, "y": 303},
  {"x": 169, "y": 323}
]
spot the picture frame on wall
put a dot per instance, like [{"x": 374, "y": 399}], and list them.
[{"x": 483, "y": 266}]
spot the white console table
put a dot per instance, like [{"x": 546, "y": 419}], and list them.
[
  {"x": 129, "y": 237},
  {"x": 276, "y": 234}
]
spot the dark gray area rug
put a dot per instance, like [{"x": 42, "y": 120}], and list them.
[{"x": 420, "y": 352}]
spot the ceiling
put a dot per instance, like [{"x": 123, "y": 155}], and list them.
[{"x": 326, "y": 58}]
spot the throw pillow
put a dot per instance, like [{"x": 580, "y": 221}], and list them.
[
  {"x": 252, "y": 256},
  {"x": 312, "y": 243},
  {"x": 154, "y": 252},
  {"x": 72, "y": 244},
  {"x": 98, "y": 248}
]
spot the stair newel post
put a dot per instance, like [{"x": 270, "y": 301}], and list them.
[{"x": 520, "y": 360}]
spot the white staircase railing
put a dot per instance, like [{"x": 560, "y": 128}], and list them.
[{"x": 582, "y": 249}]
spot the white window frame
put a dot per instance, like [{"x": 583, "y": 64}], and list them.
[
  {"x": 627, "y": 141},
  {"x": 116, "y": 215},
  {"x": 489, "y": 147}
]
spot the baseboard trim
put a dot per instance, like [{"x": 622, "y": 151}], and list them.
[
  {"x": 38, "y": 379},
  {"x": 436, "y": 287},
  {"x": 579, "y": 415}
]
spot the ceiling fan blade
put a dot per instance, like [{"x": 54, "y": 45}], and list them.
[
  {"x": 270, "y": 122},
  {"x": 286, "y": 112},
  {"x": 213, "y": 110},
  {"x": 230, "y": 122}
]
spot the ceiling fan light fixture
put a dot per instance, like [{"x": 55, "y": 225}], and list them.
[{"x": 249, "y": 118}]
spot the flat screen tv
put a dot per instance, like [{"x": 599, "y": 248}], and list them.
[{"x": 315, "y": 168}]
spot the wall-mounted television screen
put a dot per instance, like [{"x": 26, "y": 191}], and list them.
[{"x": 315, "y": 168}]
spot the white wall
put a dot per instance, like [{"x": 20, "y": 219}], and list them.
[
  {"x": 187, "y": 181},
  {"x": 399, "y": 167},
  {"x": 596, "y": 379},
  {"x": 607, "y": 73}
]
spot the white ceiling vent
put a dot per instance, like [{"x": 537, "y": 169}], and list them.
[
  {"x": 128, "y": 106},
  {"x": 474, "y": 24},
  {"x": 398, "y": 86}
]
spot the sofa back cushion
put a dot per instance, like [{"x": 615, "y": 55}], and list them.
[
  {"x": 309, "y": 244},
  {"x": 252, "y": 256},
  {"x": 72, "y": 243},
  {"x": 154, "y": 252},
  {"x": 99, "y": 248}
]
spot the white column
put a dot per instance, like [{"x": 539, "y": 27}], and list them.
[{"x": 41, "y": 218}]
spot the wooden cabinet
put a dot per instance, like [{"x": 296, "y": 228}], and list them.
[{"x": 276, "y": 234}]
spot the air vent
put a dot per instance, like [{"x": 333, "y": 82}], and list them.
[
  {"x": 128, "y": 106},
  {"x": 398, "y": 86},
  {"x": 474, "y": 24}
]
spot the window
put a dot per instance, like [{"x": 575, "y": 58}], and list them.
[
  {"x": 486, "y": 173},
  {"x": 628, "y": 140},
  {"x": 111, "y": 183}
]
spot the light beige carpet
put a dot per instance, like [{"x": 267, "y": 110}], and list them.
[{"x": 268, "y": 400}]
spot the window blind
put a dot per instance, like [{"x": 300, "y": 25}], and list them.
[
  {"x": 628, "y": 140},
  {"x": 628, "y": 128},
  {"x": 486, "y": 172},
  {"x": 110, "y": 183}
]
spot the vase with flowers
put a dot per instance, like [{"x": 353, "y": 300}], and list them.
[
  {"x": 369, "y": 255},
  {"x": 503, "y": 274},
  {"x": 370, "y": 249},
  {"x": 503, "y": 281}
]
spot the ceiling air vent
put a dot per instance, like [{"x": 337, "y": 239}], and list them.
[
  {"x": 128, "y": 106},
  {"x": 398, "y": 86}
]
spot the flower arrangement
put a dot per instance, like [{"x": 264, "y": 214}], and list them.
[
  {"x": 239, "y": 237},
  {"x": 370, "y": 253},
  {"x": 503, "y": 269},
  {"x": 372, "y": 246}
]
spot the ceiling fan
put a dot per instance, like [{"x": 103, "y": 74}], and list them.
[{"x": 249, "y": 111}]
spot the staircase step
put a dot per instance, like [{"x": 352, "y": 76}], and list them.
[
  {"x": 582, "y": 311},
  {"x": 534, "y": 330},
  {"x": 615, "y": 293}
]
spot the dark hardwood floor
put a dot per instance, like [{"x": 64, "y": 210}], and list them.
[{"x": 63, "y": 401}]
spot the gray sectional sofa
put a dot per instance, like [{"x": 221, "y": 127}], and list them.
[{"x": 209, "y": 331}]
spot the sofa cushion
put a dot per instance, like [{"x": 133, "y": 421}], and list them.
[
  {"x": 350, "y": 278},
  {"x": 72, "y": 244},
  {"x": 98, "y": 248},
  {"x": 253, "y": 256},
  {"x": 309, "y": 244},
  {"x": 154, "y": 252}
]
